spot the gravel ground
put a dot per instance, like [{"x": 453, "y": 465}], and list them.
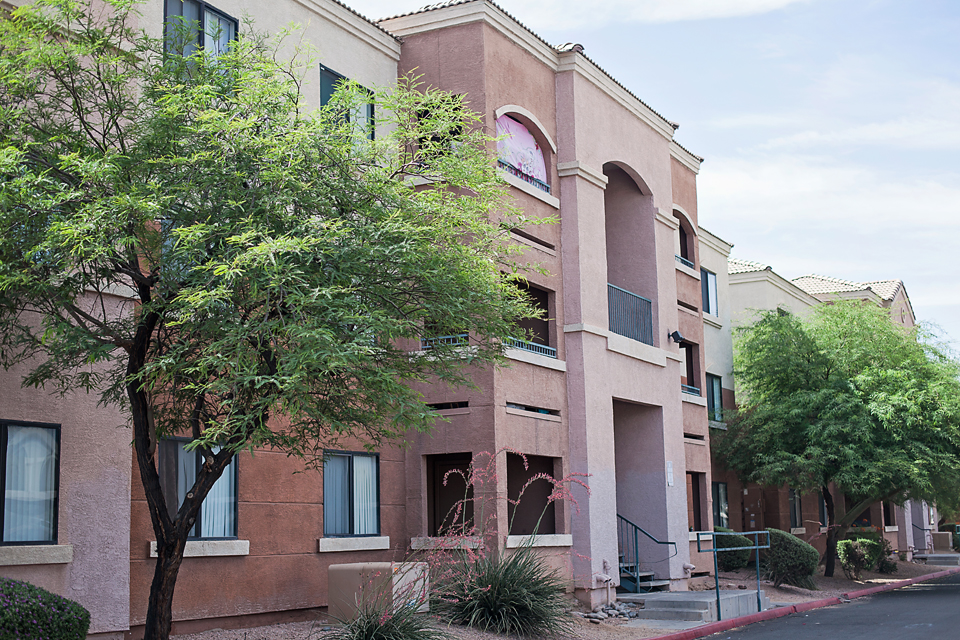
[{"x": 608, "y": 629}]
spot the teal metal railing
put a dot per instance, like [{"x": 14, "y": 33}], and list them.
[
  {"x": 429, "y": 343},
  {"x": 532, "y": 347},
  {"x": 685, "y": 262},
  {"x": 630, "y": 315},
  {"x": 512, "y": 170},
  {"x": 629, "y": 539},
  {"x": 686, "y": 388}
]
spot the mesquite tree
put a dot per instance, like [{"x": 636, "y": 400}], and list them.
[
  {"x": 845, "y": 398},
  {"x": 181, "y": 234}
]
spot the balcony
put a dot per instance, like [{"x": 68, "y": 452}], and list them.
[
  {"x": 693, "y": 391},
  {"x": 532, "y": 347},
  {"x": 512, "y": 170},
  {"x": 456, "y": 339},
  {"x": 631, "y": 315},
  {"x": 685, "y": 262}
]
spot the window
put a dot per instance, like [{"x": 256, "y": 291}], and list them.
[
  {"x": 714, "y": 398},
  {"x": 694, "y": 504},
  {"x": 721, "y": 505},
  {"x": 889, "y": 515},
  {"x": 438, "y": 136},
  {"x": 178, "y": 472},
  {"x": 531, "y": 511},
  {"x": 691, "y": 364},
  {"x": 823, "y": 511},
  {"x": 796, "y": 514},
  {"x": 536, "y": 331},
  {"x": 361, "y": 115},
  {"x": 708, "y": 286},
  {"x": 215, "y": 30},
  {"x": 519, "y": 153},
  {"x": 450, "y": 498},
  {"x": 31, "y": 478},
  {"x": 351, "y": 494}
]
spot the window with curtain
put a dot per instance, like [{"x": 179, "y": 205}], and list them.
[
  {"x": 178, "y": 472},
  {"x": 205, "y": 26},
  {"x": 721, "y": 505},
  {"x": 796, "y": 513},
  {"x": 714, "y": 398},
  {"x": 351, "y": 494},
  {"x": 31, "y": 470},
  {"x": 362, "y": 115}
]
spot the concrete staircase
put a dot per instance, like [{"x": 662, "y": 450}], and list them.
[
  {"x": 940, "y": 559},
  {"x": 694, "y": 606}
]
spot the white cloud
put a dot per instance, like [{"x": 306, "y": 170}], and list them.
[{"x": 567, "y": 14}]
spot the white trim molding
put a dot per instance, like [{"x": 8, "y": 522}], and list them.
[
  {"x": 542, "y": 540},
  {"x": 549, "y": 417},
  {"x": 446, "y": 542},
  {"x": 529, "y": 189},
  {"x": 798, "y": 531},
  {"x": 36, "y": 554},
  {"x": 521, "y": 355},
  {"x": 210, "y": 548},
  {"x": 581, "y": 170},
  {"x": 686, "y": 158},
  {"x": 526, "y": 113},
  {"x": 369, "y": 543}
]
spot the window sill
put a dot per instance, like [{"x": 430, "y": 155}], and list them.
[
  {"x": 798, "y": 531},
  {"x": 712, "y": 320},
  {"x": 546, "y": 540},
  {"x": 893, "y": 529},
  {"x": 530, "y": 414},
  {"x": 529, "y": 189},
  {"x": 529, "y": 357},
  {"x": 717, "y": 425},
  {"x": 695, "y": 441},
  {"x": 36, "y": 554},
  {"x": 705, "y": 535},
  {"x": 688, "y": 270},
  {"x": 692, "y": 399},
  {"x": 446, "y": 542},
  {"x": 210, "y": 548},
  {"x": 372, "y": 543}
]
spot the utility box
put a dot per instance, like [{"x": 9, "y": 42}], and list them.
[
  {"x": 394, "y": 584},
  {"x": 942, "y": 541}
]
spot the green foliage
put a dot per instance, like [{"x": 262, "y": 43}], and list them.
[
  {"x": 515, "y": 594},
  {"x": 378, "y": 620},
  {"x": 854, "y": 557},
  {"x": 731, "y": 560},
  {"x": 790, "y": 560},
  {"x": 845, "y": 396},
  {"x": 27, "y": 611}
]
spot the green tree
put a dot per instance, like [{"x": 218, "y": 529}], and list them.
[
  {"x": 182, "y": 235},
  {"x": 849, "y": 398}
]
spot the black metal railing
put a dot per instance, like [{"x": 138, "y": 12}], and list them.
[
  {"x": 630, "y": 315},
  {"x": 526, "y": 177}
]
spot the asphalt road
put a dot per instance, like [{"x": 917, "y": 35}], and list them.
[{"x": 925, "y": 611}]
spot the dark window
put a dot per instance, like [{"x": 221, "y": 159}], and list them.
[
  {"x": 691, "y": 359},
  {"x": 351, "y": 494},
  {"x": 889, "y": 515},
  {"x": 796, "y": 513},
  {"x": 362, "y": 115},
  {"x": 449, "y": 497},
  {"x": 694, "y": 503},
  {"x": 714, "y": 398},
  {"x": 178, "y": 472},
  {"x": 530, "y": 508},
  {"x": 200, "y": 25},
  {"x": 721, "y": 505},
  {"x": 684, "y": 244},
  {"x": 823, "y": 510},
  {"x": 536, "y": 331},
  {"x": 436, "y": 138},
  {"x": 708, "y": 287},
  {"x": 30, "y": 482}
]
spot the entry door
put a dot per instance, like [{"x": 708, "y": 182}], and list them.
[{"x": 752, "y": 509}]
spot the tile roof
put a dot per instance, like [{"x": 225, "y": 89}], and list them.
[
  {"x": 735, "y": 265},
  {"x": 365, "y": 18},
  {"x": 815, "y": 284},
  {"x": 561, "y": 49}
]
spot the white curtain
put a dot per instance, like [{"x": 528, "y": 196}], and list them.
[
  {"x": 336, "y": 492},
  {"x": 28, "y": 505},
  {"x": 365, "y": 508},
  {"x": 218, "y": 514}
]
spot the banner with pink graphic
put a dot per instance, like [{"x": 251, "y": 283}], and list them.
[{"x": 518, "y": 148}]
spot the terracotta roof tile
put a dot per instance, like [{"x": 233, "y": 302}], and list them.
[
  {"x": 365, "y": 18},
  {"x": 816, "y": 284},
  {"x": 735, "y": 265},
  {"x": 886, "y": 289}
]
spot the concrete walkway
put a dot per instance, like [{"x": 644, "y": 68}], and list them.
[{"x": 694, "y": 607}]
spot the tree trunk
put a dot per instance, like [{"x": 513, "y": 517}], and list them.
[
  {"x": 159, "y": 620},
  {"x": 830, "y": 555}
]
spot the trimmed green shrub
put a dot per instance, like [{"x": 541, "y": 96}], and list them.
[
  {"x": 873, "y": 550},
  {"x": 504, "y": 594},
  {"x": 853, "y": 557},
  {"x": 27, "y": 611},
  {"x": 885, "y": 564},
  {"x": 731, "y": 560},
  {"x": 790, "y": 560}
]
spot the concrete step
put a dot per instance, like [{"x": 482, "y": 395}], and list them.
[
  {"x": 668, "y": 613},
  {"x": 939, "y": 559},
  {"x": 654, "y": 584}
]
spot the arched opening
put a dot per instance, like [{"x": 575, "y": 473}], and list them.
[
  {"x": 523, "y": 149},
  {"x": 629, "y": 217},
  {"x": 686, "y": 240}
]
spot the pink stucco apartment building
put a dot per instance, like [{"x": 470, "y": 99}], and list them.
[{"x": 610, "y": 385}]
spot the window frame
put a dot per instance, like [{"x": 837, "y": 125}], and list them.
[
  {"x": 236, "y": 503},
  {"x": 203, "y": 8},
  {"x": 371, "y": 108},
  {"x": 795, "y": 507},
  {"x": 708, "y": 285},
  {"x": 327, "y": 453},
  {"x": 714, "y": 412},
  {"x": 4, "y": 426},
  {"x": 718, "y": 513}
]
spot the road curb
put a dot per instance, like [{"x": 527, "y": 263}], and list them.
[{"x": 770, "y": 614}]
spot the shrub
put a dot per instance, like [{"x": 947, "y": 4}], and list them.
[
  {"x": 731, "y": 560},
  {"x": 853, "y": 557},
  {"x": 27, "y": 611},
  {"x": 956, "y": 540},
  {"x": 790, "y": 560},
  {"x": 885, "y": 564},
  {"x": 504, "y": 594},
  {"x": 873, "y": 551},
  {"x": 379, "y": 620}
]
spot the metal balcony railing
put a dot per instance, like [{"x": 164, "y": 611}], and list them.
[
  {"x": 429, "y": 343},
  {"x": 630, "y": 315},
  {"x": 512, "y": 170},
  {"x": 532, "y": 347},
  {"x": 685, "y": 262},
  {"x": 686, "y": 388}
]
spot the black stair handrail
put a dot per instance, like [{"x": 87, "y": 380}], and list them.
[{"x": 630, "y": 547}]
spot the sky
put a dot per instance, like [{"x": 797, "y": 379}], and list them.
[{"x": 830, "y": 128}]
